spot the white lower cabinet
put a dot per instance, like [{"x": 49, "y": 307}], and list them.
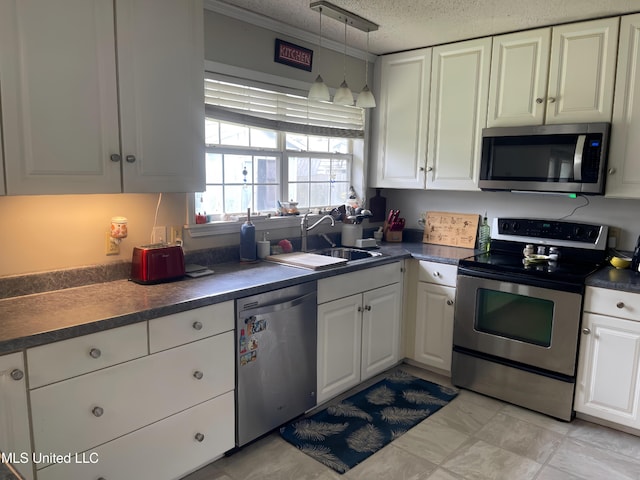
[
  {"x": 15, "y": 442},
  {"x": 168, "y": 449},
  {"x": 435, "y": 298},
  {"x": 609, "y": 361},
  {"x": 359, "y": 320}
]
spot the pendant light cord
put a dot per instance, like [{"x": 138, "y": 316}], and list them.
[{"x": 344, "y": 63}]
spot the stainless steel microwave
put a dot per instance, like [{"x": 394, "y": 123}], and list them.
[{"x": 569, "y": 158}]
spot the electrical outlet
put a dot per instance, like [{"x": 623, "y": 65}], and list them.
[
  {"x": 110, "y": 247},
  {"x": 175, "y": 234},
  {"x": 159, "y": 235},
  {"x": 614, "y": 236}
]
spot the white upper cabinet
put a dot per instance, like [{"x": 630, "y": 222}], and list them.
[
  {"x": 623, "y": 178},
  {"x": 66, "y": 107},
  {"x": 519, "y": 72},
  {"x": 563, "y": 74},
  {"x": 400, "y": 123},
  {"x": 458, "y": 113}
]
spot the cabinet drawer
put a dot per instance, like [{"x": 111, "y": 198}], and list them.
[
  {"x": 162, "y": 451},
  {"x": 612, "y": 302},
  {"x": 69, "y": 358},
  {"x": 357, "y": 282},
  {"x": 438, "y": 273},
  {"x": 130, "y": 395},
  {"x": 184, "y": 327}
]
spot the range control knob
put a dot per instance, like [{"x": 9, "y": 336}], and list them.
[
  {"x": 578, "y": 232},
  {"x": 515, "y": 226},
  {"x": 505, "y": 227},
  {"x": 593, "y": 234}
]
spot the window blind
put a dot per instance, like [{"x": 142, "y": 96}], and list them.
[{"x": 263, "y": 108}]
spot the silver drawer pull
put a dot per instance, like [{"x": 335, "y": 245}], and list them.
[
  {"x": 95, "y": 353},
  {"x": 97, "y": 411},
  {"x": 367, "y": 308},
  {"x": 436, "y": 274},
  {"x": 449, "y": 302},
  {"x": 359, "y": 308},
  {"x": 198, "y": 375},
  {"x": 586, "y": 331},
  {"x": 199, "y": 437},
  {"x": 197, "y": 325},
  {"x": 620, "y": 304},
  {"x": 17, "y": 374}
]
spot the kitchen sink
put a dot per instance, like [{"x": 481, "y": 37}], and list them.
[{"x": 348, "y": 253}]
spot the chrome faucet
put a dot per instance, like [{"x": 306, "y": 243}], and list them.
[{"x": 305, "y": 228}]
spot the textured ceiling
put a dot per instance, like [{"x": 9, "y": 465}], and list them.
[{"x": 408, "y": 24}]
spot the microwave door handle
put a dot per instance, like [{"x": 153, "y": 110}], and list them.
[{"x": 577, "y": 158}]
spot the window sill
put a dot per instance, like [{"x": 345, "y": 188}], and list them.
[{"x": 261, "y": 224}]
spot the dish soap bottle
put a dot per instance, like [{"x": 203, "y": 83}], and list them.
[
  {"x": 248, "y": 240},
  {"x": 484, "y": 237}
]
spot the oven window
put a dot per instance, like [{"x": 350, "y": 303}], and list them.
[{"x": 518, "y": 317}]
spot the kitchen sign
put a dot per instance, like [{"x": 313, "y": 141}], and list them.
[{"x": 293, "y": 55}]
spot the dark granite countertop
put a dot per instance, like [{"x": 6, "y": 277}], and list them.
[
  {"x": 615, "y": 279},
  {"x": 36, "y": 319}
]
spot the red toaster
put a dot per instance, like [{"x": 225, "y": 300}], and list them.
[{"x": 157, "y": 263}]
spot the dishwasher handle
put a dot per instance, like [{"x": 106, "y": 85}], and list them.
[{"x": 276, "y": 307}]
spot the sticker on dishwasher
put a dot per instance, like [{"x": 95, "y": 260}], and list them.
[
  {"x": 248, "y": 358},
  {"x": 255, "y": 326},
  {"x": 253, "y": 344}
]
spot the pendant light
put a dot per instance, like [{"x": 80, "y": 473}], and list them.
[
  {"x": 319, "y": 90},
  {"x": 366, "y": 98},
  {"x": 343, "y": 95}
]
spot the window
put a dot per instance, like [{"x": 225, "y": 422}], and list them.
[{"x": 263, "y": 147}]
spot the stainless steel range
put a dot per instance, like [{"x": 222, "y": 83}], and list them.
[{"x": 518, "y": 312}]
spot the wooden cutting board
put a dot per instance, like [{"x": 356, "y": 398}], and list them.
[
  {"x": 307, "y": 260},
  {"x": 452, "y": 229}
]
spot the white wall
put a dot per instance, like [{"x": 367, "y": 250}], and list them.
[{"x": 624, "y": 214}]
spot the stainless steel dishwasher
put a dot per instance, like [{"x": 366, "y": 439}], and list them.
[{"x": 276, "y": 342}]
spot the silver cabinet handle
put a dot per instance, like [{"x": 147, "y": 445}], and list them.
[
  {"x": 359, "y": 309},
  {"x": 422, "y": 169},
  {"x": 449, "y": 302},
  {"x": 97, "y": 411},
  {"x": 115, "y": 157},
  {"x": 95, "y": 353},
  {"x": 367, "y": 308},
  {"x": 436, "y": 274},
  {"x": 130, "y": 158},
  {"x": 429, "y": 169},
  {"x": 551, "y": 100},
  {"x": 199, "y": 437},
  {"x": 620, "y": 304},
  {"x": 611, "y": 171},
  {"x": 101, "y": 478},
  {"x": 197, "y": 325},
  {"x": 539, "y": 100},
  {"x": 586, "y": 331},
  {"x": 17, "y": 374},
  {"x": 198, "y": 375}
]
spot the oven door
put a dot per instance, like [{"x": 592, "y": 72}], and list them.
[{"x": 514, "y": 322}]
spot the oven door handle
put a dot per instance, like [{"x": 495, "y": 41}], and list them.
[
  {"x": 577, "y": 158},
  {"x": 523, "y": 280}
]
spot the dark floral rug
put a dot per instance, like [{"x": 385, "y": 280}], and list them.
[{"x": 345, "y": 434}]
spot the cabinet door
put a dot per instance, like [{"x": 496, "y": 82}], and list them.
[
  {"x": 401, "y": 120},
  {"x": 14, "y": 414},
  {"x": 380, "y": 329},
  {"x": 458, "y": 113},
  {"x": 59, "y": 96},
  {"x": 609, "y": 370},
  {"x": 339, "y": 346},
  {"x": 161, "y": 80},
  {"x": 519, "y": 73},
  {"x": 434, "y": 325},
  {"x": 624, "y": 164},
  {"x": 582, "y": 72}
]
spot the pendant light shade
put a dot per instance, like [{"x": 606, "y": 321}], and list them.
[
  {"x": 343, "y": 95},
  {"x": 319, "y": 90},
  {"x": 366, "y": 98}
]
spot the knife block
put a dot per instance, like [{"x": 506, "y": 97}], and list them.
[{"x": 391, "y": 235}]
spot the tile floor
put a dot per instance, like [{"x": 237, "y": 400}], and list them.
[{"x": 472, "y": 438}]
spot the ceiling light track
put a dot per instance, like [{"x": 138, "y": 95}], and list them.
[{"x": 343, "y": 16}]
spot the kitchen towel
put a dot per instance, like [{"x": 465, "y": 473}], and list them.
[{"x": 343, "y": 435}]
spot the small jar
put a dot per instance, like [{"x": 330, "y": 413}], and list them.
[
  {"x": 554, "y": 254},
  {"x": 528, "y": 250},
  {"x": 541, "y": 250}
]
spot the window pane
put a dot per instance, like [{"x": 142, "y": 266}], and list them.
[
  {"x": 209, "y": 201},
  {"x": 299, "y": 192},
  {"x": 234, "y": 135},
  {"x": 296, "y": 142},
  {"x": 339, "y": 145},
  {"x": 320, "y": 194},
  {"x": 214, "y": 168},
  {"x": 266, "y": 197},
  {"x": 339, "y": 193},
  {"x": 318, "y": 144},
  {"x": 261, "y": 138},
  {"x": 339, "y": 170},
  {"x": 266, "y": 170},
  {"x": 237, "y": 169},
  {"x": 320, "y": 169},
  {"x": 211, "y": 131},
  {"x": 237, "y": 198},
  {"x": 298, "y": 169}
]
